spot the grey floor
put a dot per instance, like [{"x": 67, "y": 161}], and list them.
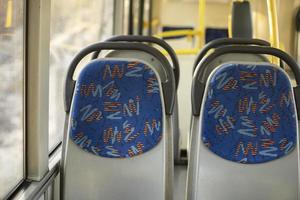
[{"x": 179, "y": 182}]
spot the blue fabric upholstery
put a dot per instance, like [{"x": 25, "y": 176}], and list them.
[
  {"x": 249, "y": 113},
  {"x": 116, "y": 109}
]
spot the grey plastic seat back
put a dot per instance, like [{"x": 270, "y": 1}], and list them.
[
  {"x": 210, "y": 175},
  {"x": 88, "y": 176},
  {"x": 195, "y": 141}
]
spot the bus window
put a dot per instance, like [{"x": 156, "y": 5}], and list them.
[
  {"x": 91, "y": 21},
  {"x": 11, "y": 95}
]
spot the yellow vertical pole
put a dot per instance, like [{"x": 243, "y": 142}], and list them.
[
  {"x": 201, "y": 26},
  {"x": 9, "y": 13},
  {"x": 273, "y": 26},
  {"x": 229, "y": 26},
  {"x": 229, "y": 20}
]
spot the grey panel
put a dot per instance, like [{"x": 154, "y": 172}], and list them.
[
  {"x": 93, "y": 177},
  {"x": 179, "y": 181},
  {"x": 241, "y": 20}
]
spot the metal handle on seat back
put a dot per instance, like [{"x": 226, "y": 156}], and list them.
[
  {"x": 150, "y": 39},
  {"x": 227, "y": 41},
  {"x": 168, "y": 86},
  {"x": 198, "y": 87}
]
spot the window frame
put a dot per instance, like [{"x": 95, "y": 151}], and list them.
[{"x": 37, "y": 87}]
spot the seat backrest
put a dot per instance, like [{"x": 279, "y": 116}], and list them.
[
  {"x": 117, "y": 127},
  {"x": 244, "y": 141},
  {"x": 249, "y": 113}
]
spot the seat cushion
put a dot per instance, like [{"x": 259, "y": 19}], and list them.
[
  {"x": 116, "y": 109},
  {"x": 249, "y": 113}
]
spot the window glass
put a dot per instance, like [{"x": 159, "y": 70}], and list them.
[
  {"x": 74, "y": 25},
  {"x": 11, "y": 95}
]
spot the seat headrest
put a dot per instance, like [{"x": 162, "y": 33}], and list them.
[
  {"x": 249, "y": 114},
  {"x": 117, "y": 109}
]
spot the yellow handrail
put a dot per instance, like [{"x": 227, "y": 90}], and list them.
[
  {"x": 188, "y": 33},
  {"x": 201, "y": 26},
  {"x": 178, "y": 33},
  {"x": 273, "y": 27},
  {"x": 229, "y": 26},
  {"x": 9, "y": 14}
]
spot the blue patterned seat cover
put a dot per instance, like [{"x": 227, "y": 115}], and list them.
[
  {"x": 116, "y": 109},
  {"x": 249, "y": 113}
]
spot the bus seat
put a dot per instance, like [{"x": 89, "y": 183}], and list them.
[
  {"x": 149, "y": 58},
  {"x": 229, "y": 57},
  {"x": 119, "y": 144},
  {"x": 244, "y": 142}
]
